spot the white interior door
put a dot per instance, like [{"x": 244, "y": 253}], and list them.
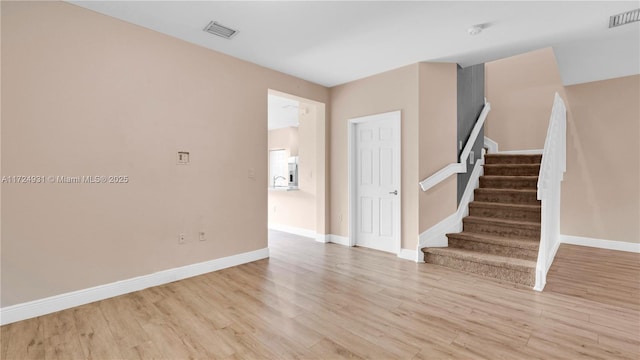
[{"x": 375, "y": 171}]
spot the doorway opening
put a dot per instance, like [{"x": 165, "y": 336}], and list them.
[{"x": 296, "y": 145}]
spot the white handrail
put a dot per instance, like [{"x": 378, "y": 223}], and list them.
[
  {"x": 552, "y": 169},
  {"x": 461, "y": 166}
]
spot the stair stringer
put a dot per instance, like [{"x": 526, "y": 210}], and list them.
[{"x": 436, "y": 236}]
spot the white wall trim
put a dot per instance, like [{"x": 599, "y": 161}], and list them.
[
  {"x": 340, "y": 240},
  {"x": 523, "y": 152},
  {"x": 31, "y": 309},
  {"x": 600, "y": 243},
  {"x": 491, "y": 145},
  {"x": 293, "y": 230},
  {"x": 436, "y": 236},
  {"x": 407, "y": 254},
  {"x": 323, "y": 238}
]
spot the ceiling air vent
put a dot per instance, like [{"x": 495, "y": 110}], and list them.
[
  {"x": 624, "y": 18},
  {"x": 220, "y": 30}
]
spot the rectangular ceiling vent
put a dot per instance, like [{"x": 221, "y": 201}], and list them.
[
  {"x": 624, "y": 18},
  {"x": 220, "y": 30}
]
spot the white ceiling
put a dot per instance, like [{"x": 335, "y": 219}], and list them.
[
  {"x": 282, "y": 112},
  {"x": 331, "y": 42}
]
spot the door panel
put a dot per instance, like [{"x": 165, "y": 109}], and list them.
[
  {"x": 366, "y": 167},
  {"x": 386, "y": 217},
  {"x": 377, "y": 149},
  {"x": 366, "y": 209},
  {"x": 386, "y": 167}
]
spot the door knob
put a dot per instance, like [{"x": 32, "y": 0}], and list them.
[{"x": 395, "y": 192}]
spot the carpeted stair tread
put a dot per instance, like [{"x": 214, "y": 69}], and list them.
[
  {"x": 508, "y": 182},
  {"x": 507, "y": 196},
  {"x": 514, "y": 223},
  {"x": 484, "y": 243},
  {"x": 514, "y": 270},
  {"x": 483, "y": 258},
  {"x": 522, "y": 212},
  {"x": 512, "y": 159},
  {"x": 492, "y": 204},
  {"x": 501, "y": 227},
  {"x": 494, "y": 244},
  {"x": 520, "y": 243},
  {"x": 512, "y": 169},
  {"x": 515, "y": 191}
]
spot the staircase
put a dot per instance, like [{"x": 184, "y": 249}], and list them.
[{"x": 501, "y": 235}]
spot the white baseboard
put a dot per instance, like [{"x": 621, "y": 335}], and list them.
[
  {"x": 600, "y": 243},
  {"x": 293, "y": 230},
  {"x": 523, "y": 152},
  {"x": 55, "y": 303},
  {"x": 323, "y": 238},
  {"x": 407, "y": 254},
  {"x": 341, "y": 240}
]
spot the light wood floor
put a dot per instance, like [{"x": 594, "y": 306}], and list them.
[{"x": 326, "y": 301}]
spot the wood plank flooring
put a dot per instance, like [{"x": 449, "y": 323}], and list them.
[{"x": 326, "y": 301}]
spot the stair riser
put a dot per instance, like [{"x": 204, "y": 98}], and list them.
[
  {"x": 513, "y": 159},
  {"x": 527, "y": 254},
  {"x": 519, "y": 184},
  {"x": 506, "y": 198},
  {"x": 506, "y": 274},
  {"x": 511, "y": 171},
  {"x": 507, "y": 214},
  {"x": 502, "y": 230}
]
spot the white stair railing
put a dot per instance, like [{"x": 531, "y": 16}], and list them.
[
  {"x": 552, "y": 169},
  {"x": 461, "y": 166}
]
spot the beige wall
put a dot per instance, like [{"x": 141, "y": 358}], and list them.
[
  {"x": 426, "y": 95},
  {"x": 520, "y": 90},
  {"x": 437, "y": 140},
  {"x": 601, "y": 189},
  {"x": 389, "y": 91},
  {"x": 297, "y": 208},
  {"x": 85, "y": 94},
  {"x": 285, "y": 138}
]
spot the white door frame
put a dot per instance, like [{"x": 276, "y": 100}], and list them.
[{"x": 353, "y": 183}]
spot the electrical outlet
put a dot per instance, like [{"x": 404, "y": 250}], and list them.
[
  {"x": 460, "y": 142},
  {"x": 471, "y": 157},
  {"x": 181, "y": 239},
  {"x": 340, "y": 218},
  {"x": 275, "y": 209},
  {"x": 201, "y": 236}
]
